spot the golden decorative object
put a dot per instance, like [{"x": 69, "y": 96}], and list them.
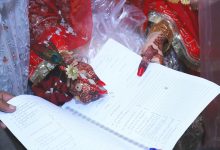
[
  {"x": 174, "y": 1},
  {"x": 184, "y": 2},
  {"x": 163, "y": 26}
]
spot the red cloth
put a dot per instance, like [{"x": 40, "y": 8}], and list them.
[
  {"x": 46, "y": 16},
  {"x": 185, "y": 19},
  {"x": 65, "y": 23}
]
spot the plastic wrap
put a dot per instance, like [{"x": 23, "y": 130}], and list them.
[
  {"x": 14, "y": 46},
  {"x": 118, "y": 20}
]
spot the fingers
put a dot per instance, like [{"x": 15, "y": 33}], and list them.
[
  {"x": 2, "y": 125},
  {"x": 86, "y": 90},
  {"x": 147, "y": 56},
  {"x": 87, "y": 87},
  {"x": 100, "y": 83},
  {"x": 142, "y": 67},
  {"x": 6, "y": 96},
  {"x": 90, "y": 73},
  {"x": 152, "y": 51},
  {"x": 4, "y": 106}
]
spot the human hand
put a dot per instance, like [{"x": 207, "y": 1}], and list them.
[
  {"x": 87, "y": 86},
  {"x": 159, "y": 40},
  {"x": 152, "y": 51},
  {"x": 4, "y": 106},
  {"x": 78, "y": 80}
]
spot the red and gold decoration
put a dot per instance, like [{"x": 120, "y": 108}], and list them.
[
  {"x": 185, "y": 2},
  {"x": 57, "y": 70},
  {"x": 184, "y": 21}
]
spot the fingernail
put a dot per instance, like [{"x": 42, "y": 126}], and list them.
[
  {"x": 103, "y": 91},
  {"x": 12, "y": 107},
  {"x": 101, "y": 83},
  {"x": 141, "y": 71}
]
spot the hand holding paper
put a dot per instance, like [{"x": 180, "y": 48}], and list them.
[
  {"x": 4, "y": 106},
  {"x": 158, "y": 40},
  {"x": 138, "y": 113}
]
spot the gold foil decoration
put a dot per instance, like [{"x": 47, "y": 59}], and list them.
[
  {"x": 173, "y": 1},
  {"x": 163, "y": 26},
  {"x": 41, "y": 72},
  {"x": 184, "y": 2}
]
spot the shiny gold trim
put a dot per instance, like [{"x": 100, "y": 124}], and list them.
[
  {"x": 173, "y": 1},
  {"x": 177, "y": 42},
  {"x": 42, "y": 71},
  {"x": 163, "y": 26},
  {"x": 184, "y": 2}
]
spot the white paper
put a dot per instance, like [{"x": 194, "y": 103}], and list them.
[
  {"x": 153, "y": 110},
  {"x": 40, "y": 125}
]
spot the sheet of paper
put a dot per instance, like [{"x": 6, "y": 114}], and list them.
[
  {"x": 40, "y": 125},
  {"x": 154, "y": 110}
]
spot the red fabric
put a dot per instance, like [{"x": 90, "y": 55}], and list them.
[
  {"x": 65, "y": 23},
  {"x": 35, "y": 60},
  {"x": 46, "y": 20},
  {"x": 59, "y": 94},
  {"x": 185, "y": 19}
]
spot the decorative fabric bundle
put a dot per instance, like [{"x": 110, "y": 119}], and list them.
[
  {"x": 66, "y": 34},
  {"x": 183, "y": 22},
  {"x": 58, "y": 30}
]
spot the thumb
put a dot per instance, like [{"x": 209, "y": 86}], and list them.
[{"x": 4, "y": 106}]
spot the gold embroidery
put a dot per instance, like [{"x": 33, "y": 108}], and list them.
[
  {"x": 163, "y": 26},
  {"x": 41, "y": 72},
  {"x": 184, "y": 2},
  {"x": 173, "y": 1}
]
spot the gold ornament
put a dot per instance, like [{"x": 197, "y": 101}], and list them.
[
  {"x": 184, "y": 2},
  {"x": 173, "y": 1}
]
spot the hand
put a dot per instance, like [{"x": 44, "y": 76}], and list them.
[
  {"x": 4, "y": 106},
  {"x": 159, "y": 40},
  {"x": 77, "y": 80},
  {"x": 152, "y": 51},
  {"x": 87, "y": 87}
]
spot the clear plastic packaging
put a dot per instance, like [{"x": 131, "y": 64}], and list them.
[
  {"x": 14, "y": 46},
  {"x": 118, "y": 20}
]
